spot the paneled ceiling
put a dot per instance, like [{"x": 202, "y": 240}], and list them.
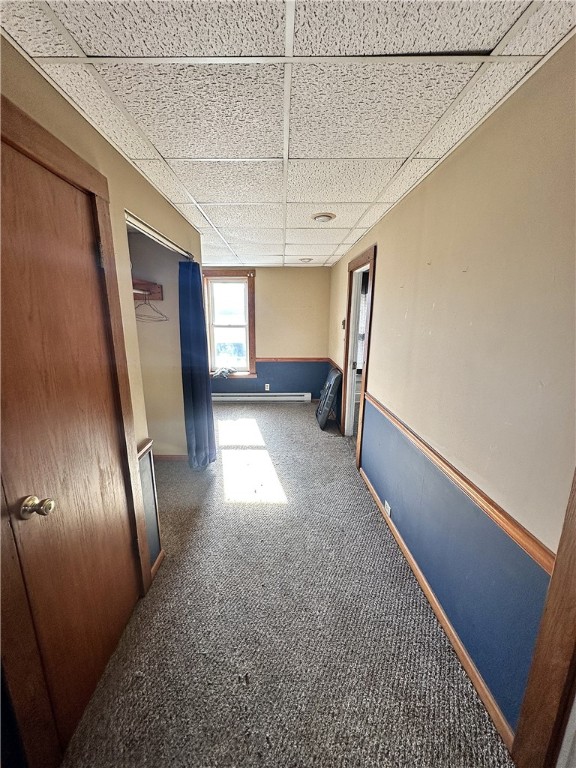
[{"x": 251, "y": 116}]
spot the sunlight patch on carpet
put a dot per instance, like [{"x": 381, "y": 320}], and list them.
[
  {"x": 250, "y": 478},
  {"x": 239, "y": 432}
]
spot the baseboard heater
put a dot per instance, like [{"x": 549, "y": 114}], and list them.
[{"x": 268, "y": 397}]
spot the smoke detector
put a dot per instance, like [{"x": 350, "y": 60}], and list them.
[{"x": 323, "y": 217}]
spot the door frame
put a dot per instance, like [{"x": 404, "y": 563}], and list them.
[
  {"x": 551, "y": 688},
  {"x": 366, "y": 258},
  {"x": 21, "y": 659}
]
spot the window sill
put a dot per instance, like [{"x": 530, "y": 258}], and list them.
[{"x": 236, "y": 376}]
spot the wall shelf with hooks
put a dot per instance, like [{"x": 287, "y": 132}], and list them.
[{"x": 146, "y": 288}]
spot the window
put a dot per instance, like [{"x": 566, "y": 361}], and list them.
[{"x": 229, "y": 299}]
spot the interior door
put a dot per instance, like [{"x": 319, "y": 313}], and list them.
[{"x": 61, "y": 433}]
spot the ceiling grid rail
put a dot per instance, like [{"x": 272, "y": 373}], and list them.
[{"x": 275, "y": 145}]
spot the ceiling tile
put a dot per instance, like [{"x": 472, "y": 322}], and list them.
[
  {"x": 82, "y": 86},
  {"x": 210, "y": 250},
  {"x": 268, "y": 216},
  {"x": 337, "y": 110},
  {"x": 221, "y": 260},
  {"x": 341, "y": 250},
  {"x": 163, "y": 177},
  {"x": 347, "y": 214},
  {"x": 160, "y": 28},
  {"x": 543, "y": 30},
  {"x": 406, "y": 178},
  {"x": 261, "y": 261},
  {"x": 294, "y": 261},
  {"x": 379, "y": 27},
  {"x": 248, "y": 235},
  {"x": 333, "y": 236},
  {"x": 257, "y": 249},
  {"x": 484, "y": 94},
  {"x": 210, "y": 237},
  {"x": 250, "y": 181},
  {"x": 356, "y": 234},
  {"x": 374, "y": 214},
  {"x": 34, "y": 30},
  {"x": 346, "y": 181},
  {"x": 191, "y": 212},
  {"x": 203, "y": 110},
  {"x": 316, "y": 249}
]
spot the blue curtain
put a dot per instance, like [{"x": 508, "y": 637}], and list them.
[{"x": 195, "y": 369}]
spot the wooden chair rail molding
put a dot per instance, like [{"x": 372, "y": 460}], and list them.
[
  {"x": 335, "y": 365},
  {"x": 292, "y": 360},
  {"x": 526, "y": 540}
]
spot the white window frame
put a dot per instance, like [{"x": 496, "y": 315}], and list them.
[{"x": 246, "y": 277}]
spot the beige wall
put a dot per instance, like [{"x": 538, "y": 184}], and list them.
[
  {"x": 128, "y": 189},
  {"x": 159, "y": 345},
  {"x": 292, "y": 307},
  {"x": 473, "y": 339}
]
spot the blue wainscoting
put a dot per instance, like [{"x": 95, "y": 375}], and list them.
[
  {"x": 491, "y": 590},
  {"x": 282, "y": 376}
]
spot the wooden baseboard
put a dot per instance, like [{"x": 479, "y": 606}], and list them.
[
  {"x": 157, "y": 564},
  {"x": 483, "y": 691},
  {"x": 170, "y": 457}
]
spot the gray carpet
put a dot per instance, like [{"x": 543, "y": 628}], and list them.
[{"x": 284, "y": 635}]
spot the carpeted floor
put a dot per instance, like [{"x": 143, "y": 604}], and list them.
[{"x": 285, "y": 629}]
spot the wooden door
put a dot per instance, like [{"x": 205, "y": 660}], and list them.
[{"x": 62, "y": 433}]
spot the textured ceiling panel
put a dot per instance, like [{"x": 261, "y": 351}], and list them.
[
  {"x": 202, "y": 110},
  {"x": 314, "y": 236},
  {"x": 356, "y": 234},
  {"x": 338, "y": 110},
  {"x": 163, "y": 178},
  {"x": 213, "y": 249},
  {"x": 247, "y": 235},
  {"x": 546, "y": 27},
  {"x": 84, "y": 89},
  {"x": 318, "y": 249},
  {"x": 193, "y": 215},
  {"x": 407, "y": 177},
  {"x": 378, "y": 27},
  {"x": 341, "y": 250},
  {"x": 346, "y": 181},
  {"x": 374, "y": 214},
  {"x": 347, "y": 214},
  {"x": 216, "y": 249},
  {"x": 211, "y": 238},
  {"x": 261, "y": 261},
  {"x": 293, "y": 261},
  {"x": 160, "y": 28},
  {"x": 257, "y": 249},
  {"x": 34, "y": 30},
  {"x": 232, "y": 182},
  {"x": 224, "y": 259},
  {"x": 487, "y": 91},
  {"x": 233, "y": 216}
]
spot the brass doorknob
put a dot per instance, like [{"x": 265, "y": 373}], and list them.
[{"x": 32, "y": 504}]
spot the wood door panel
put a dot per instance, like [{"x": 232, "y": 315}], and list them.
[
  {"x": 61, "y": 432},
  {"x": 21, "y": 663}
]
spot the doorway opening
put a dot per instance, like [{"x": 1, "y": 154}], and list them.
[
  {"x": 360, "y": 281},
  {"x": 155, "y": 261}
]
